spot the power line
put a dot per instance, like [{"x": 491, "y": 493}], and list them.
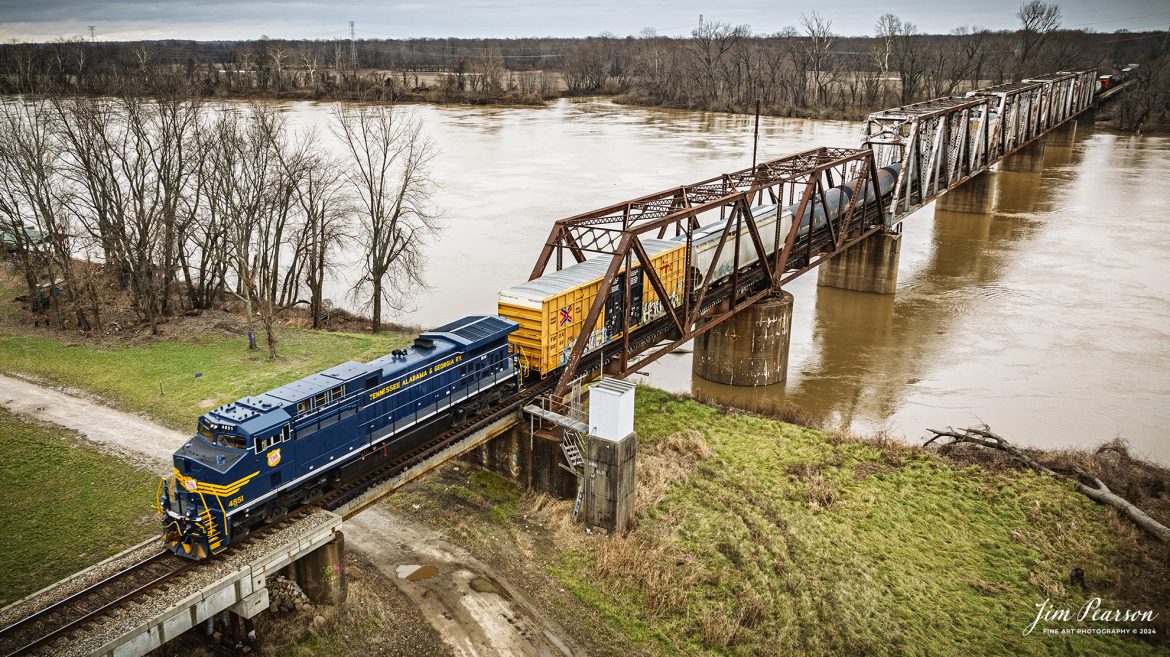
[
  {"x": 1126, "y": 18},
  {"x": 1159, "y": 35}
]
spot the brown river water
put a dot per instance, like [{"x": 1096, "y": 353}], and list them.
[{"x": 1047, "y": 318}]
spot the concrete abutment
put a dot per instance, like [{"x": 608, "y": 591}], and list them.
[
  {"x": 868, "y": 266},
  {"x": 529, "y": 459},
  {"x": 749, "y": 348}
]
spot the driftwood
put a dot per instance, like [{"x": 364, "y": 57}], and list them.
[{"x": 1095, "y": 489}]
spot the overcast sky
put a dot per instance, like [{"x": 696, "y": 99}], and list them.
[{"x": 41, "y": 20}]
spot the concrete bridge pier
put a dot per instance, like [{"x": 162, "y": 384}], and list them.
[
  {"x": 321, "y": 573},
  {"x": 749, "y": 348},
  {"x": 610, "y": 483},
  {"x": 868, "y": 266},
  {"x": 1063, "y": 135},
  {"x": 528, "y": 459},
  {"x": 976, "y": 196},
  {"x": 1029, "y": 159}
]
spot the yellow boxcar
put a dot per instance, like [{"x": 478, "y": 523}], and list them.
[{"x": 551, "y": 310}]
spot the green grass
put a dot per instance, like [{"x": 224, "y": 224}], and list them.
[
  {"x": 787, "y": 539},
  {"x": 158, "y": 377},
  {"x": 63, "y": 505}
]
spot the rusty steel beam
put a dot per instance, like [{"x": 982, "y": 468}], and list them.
[
  {"x": 596, "y": 231},
  {"x": 944, "y": 142},
  {"x": 751, "y": 276},
  {"x": 938, "y": 144}
]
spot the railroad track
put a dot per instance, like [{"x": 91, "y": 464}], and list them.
[
  {"x": 396, "y": 465},
  {"x": 88, "y": 606},
  {"x": 79, "y": 609}
]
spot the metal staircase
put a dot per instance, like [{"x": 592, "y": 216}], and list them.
[{"x": 569, "y": 414}]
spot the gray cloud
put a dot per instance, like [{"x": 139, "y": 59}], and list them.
[{"x": 246, "y": 19}]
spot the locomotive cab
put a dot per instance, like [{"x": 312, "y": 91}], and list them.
[{"x": 211, "y": 472}]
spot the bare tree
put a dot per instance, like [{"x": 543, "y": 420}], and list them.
[
  {"x": 885, "y": 32},
  {"x": 175, "y": 159},
  {"x": 1038, "y": 20},
  {"x": 31, "y": 195},
  {"x": 488, "y": 71},
  {"x": 818, "y": 46},
  {"x": 250, "y": 194},
  {"x": 909, "y": 58},
  {"x": 130, "y": 162},
  {"x": 18, "y": 223},
  {"x": 390, "y": 176},
  {"x": 711, "y": 43},
  {"x": 587, "y": 67},
  {"x": 325, "y": 208}
]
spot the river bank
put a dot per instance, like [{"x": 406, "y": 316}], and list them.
[{"x": 752, "y": 533}]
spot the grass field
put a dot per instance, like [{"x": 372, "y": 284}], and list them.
[
  {"x": 759, "y": 537},
  {"x": 157, "y": 377},
  {"x": 63, "y": 505}
]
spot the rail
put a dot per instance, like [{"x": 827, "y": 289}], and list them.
[
  {"x": 88, "y": 606},
  {"x": 46, "y": 625}
]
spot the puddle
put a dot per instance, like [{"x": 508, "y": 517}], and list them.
[
  {"x": 481, "y": 585},
  {"x": 416, "y": 573}
]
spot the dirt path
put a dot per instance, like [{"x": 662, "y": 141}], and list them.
[
  {"x": 471, "y": 608},
  {"x": 122, "y": 431},
  {"x": 474, "y": 610}
]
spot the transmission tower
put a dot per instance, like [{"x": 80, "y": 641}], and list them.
[{"x": 352, "y": 47}]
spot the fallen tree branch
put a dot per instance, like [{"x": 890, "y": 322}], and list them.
[{"x": 1086, "y": 484}]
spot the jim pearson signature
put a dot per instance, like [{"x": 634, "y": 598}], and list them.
[{"x": 1090, "y": 611}]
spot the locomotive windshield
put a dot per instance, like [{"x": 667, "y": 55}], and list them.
[
  {"x": 232, "y": 442},
  {"x": 206, "y": 433}
]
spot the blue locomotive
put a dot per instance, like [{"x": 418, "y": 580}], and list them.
[{"x": 254, "y": 459}]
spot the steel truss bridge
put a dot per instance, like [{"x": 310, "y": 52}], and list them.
[{"x": 939, "y": 144}]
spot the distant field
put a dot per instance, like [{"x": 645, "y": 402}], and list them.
[{"x": 64, "y": 505}]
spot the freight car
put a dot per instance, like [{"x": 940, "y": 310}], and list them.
[
  {"x": 551, "y": 310},
  {"x": 252, "y": 460},
  {"x": 1107, "y": 82}
]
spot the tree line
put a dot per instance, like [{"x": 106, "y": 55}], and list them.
[
  {"x": 805, "y": 69},
  {"x": 181, "y": 204}
]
